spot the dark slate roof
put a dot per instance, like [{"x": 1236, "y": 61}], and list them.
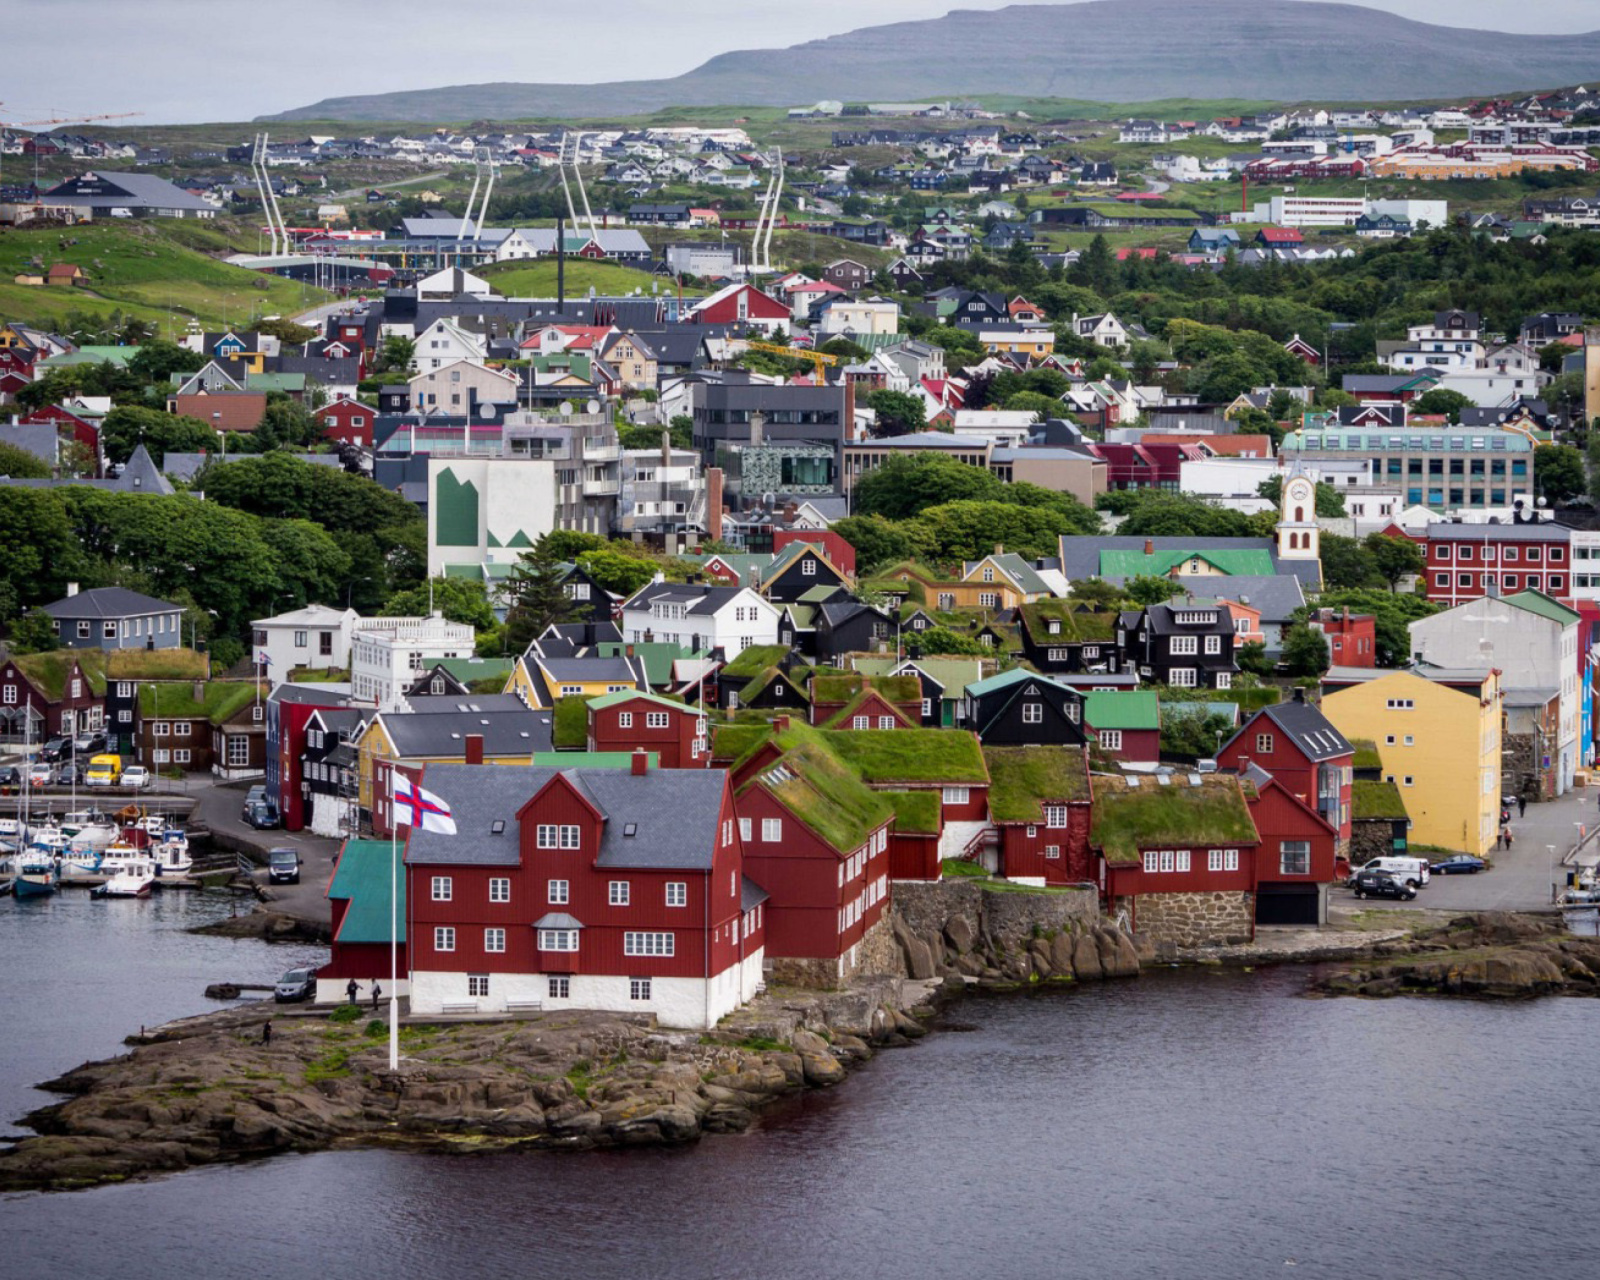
[
  {"x": 309, "y": 695},
  {"x": 1544, "y": 531},
  {"x": 577, "y": 670},
  {"x": 586, "y": 633},
  {"x": 699, "y": 597},
  {"x": 673, "y": 814},
  {"x": 109, "y": 602},
  {"x": 465, "y": 703},
  {"x": 1308, "y": 729},
  {"x": 751, "y": 895},
  {"x": 504, "y": 733},
  {"x": 1277, "y": 595}
]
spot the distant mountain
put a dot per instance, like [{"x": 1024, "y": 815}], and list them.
[{"x": 1106, "y": 51}]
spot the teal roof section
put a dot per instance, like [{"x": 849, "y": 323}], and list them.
[
  {"x": 609, "y": 700},
  {"x": 1111, "y": 709},
  {"x": 1251, "y": 561},
  {"x": 657, "y": 656},
  {"x": 591, "y": 759},
  {"x": 365, "y": 878},
  {"x": 90, "y": 355},
  {"x": 1017, "y": 675},
  {"x": 1541, "y": 604}
]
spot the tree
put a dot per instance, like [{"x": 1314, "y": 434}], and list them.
[
  {"x": 1147, "y": 589},
  {"x": 41, "y": 552},
  {"x": 569, "y": 544},
  {"x": 34, "y": 632},
  {"x": 1305, "y": 652},
  {"x": 396, "y": 355},
  {"x": 459, "y": 599},
  {"x": 970, "y": 530},
  {"x": 941, "y": 640},
  {"x": 157, "y": 361},
  {"x": 1176, "y": 515},
  {"x": 1329, "y": 501},
  {"x": 287, "y": 331},
  {"x": 1394, "y": 558},
  {"x": 537, "y": 598},
  {"x": 898, "y": 413},
  {"x": 1041, "y": 406},
  {"x": 1252, "y": 657},
  {"x": 1098, "y": 594},
  {"x": 1347, "y": 564},
  {"x": 1558, "y": 472},
  {"x": 1392, "y": 614},
  {"x": 126, "y": 427},
  {"x": 276, "y": 484},
  {"x": 876, "y": 540},
  {"x": 616, "y": 571},
  {"x": 19, "y": 464},
  {"x": 1441, "y": 403},
  {"x": 1194, "y": 734},
  {"x": 903, "y": 486}
]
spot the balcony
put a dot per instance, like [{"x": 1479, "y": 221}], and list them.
[{"x": 600, "y": 488}]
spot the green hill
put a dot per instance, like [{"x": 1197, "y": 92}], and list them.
[
  {"x": 164, "y": 271},
  {"x": 1128, "y": 50}
]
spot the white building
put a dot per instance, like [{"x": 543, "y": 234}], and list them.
[
  {"x": 700, "y": 617},
  {"x": 387, "y": 654},
  {"x": 443, "y": 343},
  {"x": 861, "y": 317},
  {"x": 316, "y": 636},
  {"x": 488, "y": 511},
  {"x": 1342, "y": 211}
]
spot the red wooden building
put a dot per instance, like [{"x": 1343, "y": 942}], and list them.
[
  {"x": 1298, "y": 856},
  {"x": 742, "y": 305},
  {"x": 45, "y": 695},
  {"x": 1463, "y": 560},
  {"x": 347, "y": 422},
  {"x": 1298, "y": 745},
  {"x": 359, "y": 898},
  {"x": 1352, "y": 637},
  {"x": 839, "y": 552},
  {"x": 632, "y": 719},
  {"x": 82, "y": 430},
  {"x": 1039, "y": 804},
  {"x": 614, "y": 889},
  {"x": 892, "y": 701}
]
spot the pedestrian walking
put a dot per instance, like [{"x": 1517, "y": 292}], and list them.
[
  {"x": 376, "y": 992},
  {"x": 1522, "y": 805},
  {"x": 352, "y": 990},
  {"x": 266, "y": 1032}
]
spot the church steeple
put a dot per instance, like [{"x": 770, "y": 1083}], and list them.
[{"x": 1299, "y": 538}]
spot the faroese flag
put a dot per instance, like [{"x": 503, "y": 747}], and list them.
[{"x": 414, "y": 807}]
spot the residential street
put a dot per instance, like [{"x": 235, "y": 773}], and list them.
[
  {"x": 1522, "y": 875},
  {"x": 218, "y": 806}
]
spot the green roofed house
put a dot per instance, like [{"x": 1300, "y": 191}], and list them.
[
  {"x": 1178, "y": 854},
  {"x": 1378, "y": 821},
  {"x": 61, "y": 692},
  {"x": 458, "y": 676},
  {"x": 1059, "y": 636},
  {"x": 1118, "y": 558},
  {"x": 1039, "y": 805},
  {"x": 366, "y": 912},
  {"x": 943, "y": 680},
  {"x": 834, "y": 692},
  {"x": 1124, "y": 725},
  {"x": 216, "y": 726}
]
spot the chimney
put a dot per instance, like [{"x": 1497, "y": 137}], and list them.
[
  {"x": 999, "y": 548},
  {"x": 474, "y": 744},
  {"x": 758, "y": 427},
  {"x": 714, "y": 503},
  {"x": 72, "y": 589},
  {"x": 1149, "y": 546},
  {"x": 629, "y": 650},
  {"x": 666, "y": 447},
  {"x": 1299, "y": 694},
  {"x": 780, "y": 724},
  {"x": 1347, "y": 615},
  {"x": 641, "y": 762},
  {"x": 197, "y": 691}
]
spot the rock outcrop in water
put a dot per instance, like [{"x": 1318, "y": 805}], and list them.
[
  {"x": 209, "y": 1089},
  {"x": 1492, "y": 954}
]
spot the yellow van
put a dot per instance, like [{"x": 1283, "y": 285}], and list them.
[{"x": 103, "y": 771}]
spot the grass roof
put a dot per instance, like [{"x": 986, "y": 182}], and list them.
[
  {"x": 1076, "y": 622},
  {"x": 756, "y": 658},
  {"x": 218, "y": 700},
  {"x": 1376, "y": 800},
  {"x": 844, "y": 686},
  {"x": 846, "y": 713},
  {"x": 1023, "y": 778},
  {"x": 736, "y": 741},
  {"x": 569, "y": 727},
  {"x": 758, "y": 686},
  {"x": 50, "y": 670},
  {"x": 156, "y": 664},
  {"x": 916, "y": 812},
  {"x": 1366, "y": 756},
  {"x": 825, "y": 794},
  {"x": 910, "y": 755},
  {"x": 1130, "y": 818}
]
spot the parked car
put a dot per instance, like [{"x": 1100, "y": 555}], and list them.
[
  {"x": 256, "y": 795},
  {"x": 10, "y": 777},
  {"x": 136, "y": 776},
  {"x": 283, "y": 866},
  {"x": 261, "y": 814},
  {"x": 1461, "y": 863},
  {"x": 53, "y": 750},
  {"x": 41, "y": 773},
  {"x": 88, "y": 743},
  {"x": 1414, "y": 871},
  {"x": 71, "y": 775},
  {"x": 1382, "y": 884},
  {"x": 296, "y": 984}
]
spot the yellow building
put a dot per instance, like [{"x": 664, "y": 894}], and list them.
[
  {"x": 446, "y": 737},
  {"x": 1033, "y": 343},
  {"x": 1438, "y": 737},
  {"x": 542, "y": 682}
]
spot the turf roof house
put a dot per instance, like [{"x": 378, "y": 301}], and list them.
[
  {"x": 126, "y": 670},
  {"x": 1299, "y": 746},
  {"x": 850, "y": 700},
  {"x": 635, "y": 721},
  {"x": 454, "y": 677},
  {"x": 620, "y": 890},
  {"x": 944, "y": 682},
  {"x": 180, "y": 725},
  {"x": 797, "y": 569},
  {"x": 1058, "y": 637},
  {"x": 1178, "y": 854},
  {"x": 45, "y": 695},
  {"x": 1187, "y": 644},
  {"x": 1039, "y": 803}
]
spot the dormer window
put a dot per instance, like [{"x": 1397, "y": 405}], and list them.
[{"x": 1054, "y": 626}]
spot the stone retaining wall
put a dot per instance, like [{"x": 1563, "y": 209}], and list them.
[{"x": 1196, "y": 919}]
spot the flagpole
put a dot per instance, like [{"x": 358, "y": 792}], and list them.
[{"x": 394, "y": 931}]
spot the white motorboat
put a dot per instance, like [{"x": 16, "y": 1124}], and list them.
[
  {"x": 49, "y": 838},
  {"x": 135, "y": 879},
  {"x": 171, "y": 853},
  {"x": 90, "y": 829}
]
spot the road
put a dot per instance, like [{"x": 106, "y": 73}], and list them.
[
  {"x": 219, "y": 806},
  {"x": 390, "y": 186},
  {"x": 1522, "y": 875}
]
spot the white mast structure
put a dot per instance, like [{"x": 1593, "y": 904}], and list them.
[
  {"x": 569, "y": 158},
  {"x": 269, "y": 202},
  {"x": 766, "y": 220}
]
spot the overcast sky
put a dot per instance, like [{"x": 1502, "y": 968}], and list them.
[{"x": 188, "y": 60}]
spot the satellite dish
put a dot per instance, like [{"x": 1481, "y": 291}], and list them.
[
  {"x": 592, "y": 407},
  {"x": 566, "y": 408}
]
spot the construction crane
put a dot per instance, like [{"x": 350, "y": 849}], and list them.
[
  {"x": 819, "y": 358},
  {"x": 33, "y": 124}
]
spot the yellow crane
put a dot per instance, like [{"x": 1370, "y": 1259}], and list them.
[{"x": 819, "y": 358}]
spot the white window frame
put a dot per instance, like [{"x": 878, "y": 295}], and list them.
[
  {"x": 558, "y": 893},
  {"x": 1301, "y": 850},
  {"x": 444, "y": 937},
  {"x": 1033, "y": 713},
  {"x": 618, "y": 893},
  {"x": 646, "y": 942},
  {"x": 1184, "y": 646},
  {"x": 558, "y": 940},
  {"x": 639, "y": 988},
  {"x": 442, "y": 889},
  {"x": 656, "y": 720},
  {"x": 1111, "y": 739},
  {"x": 494, "y": 940},
  {"x": 677, "y": 893},
  {"x": 500, "y": 889},
  {"x": 624, "y": 719},
  {"x": 558, "y": 987},
  {"x": 771, "y": 830},
  {"x": 956, "y": 795}
]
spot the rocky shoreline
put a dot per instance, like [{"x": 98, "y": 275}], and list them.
[{"x": 1495, "y": 955}]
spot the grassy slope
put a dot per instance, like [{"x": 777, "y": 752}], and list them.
[
  {"x": 159, "y": 270},
  {"x": 538, "y": 279}
]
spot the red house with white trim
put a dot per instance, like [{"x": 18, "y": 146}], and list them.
[
  {"x": 347, "y": 422},
  {"x": 741, "y": 305},
  {"x": 1298, "y": 857},
  {"x": 1298, "y": 745},
  {"x": 620, "y": 890},
  {"x": 1039, "y": 805},
  {"x": 633, "y": 720}
]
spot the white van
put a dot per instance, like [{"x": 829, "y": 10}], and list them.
[{"x": 1413, "y": 871}]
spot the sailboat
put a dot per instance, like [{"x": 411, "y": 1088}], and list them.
[{"x": 35, "y": 868}]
